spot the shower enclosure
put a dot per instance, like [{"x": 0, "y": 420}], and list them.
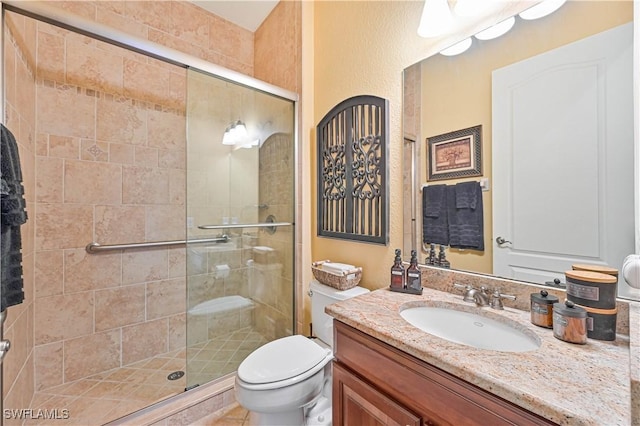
[
  {"x": 140, "y": 150},
  {"x": 239, "y": 291}
]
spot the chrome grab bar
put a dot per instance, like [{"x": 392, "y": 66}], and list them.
[
  {"x": 97, "y": 248},
  {"x": 245, "y": 225}
]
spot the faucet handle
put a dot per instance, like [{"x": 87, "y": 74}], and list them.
[
  {"x": 496, "y": 299},
  {"x": 468, "y": 291}
]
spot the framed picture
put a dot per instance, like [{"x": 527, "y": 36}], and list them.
[{"x": 455, "y": 154}]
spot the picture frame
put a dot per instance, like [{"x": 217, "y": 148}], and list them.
[{"x": 455, "y": 154}]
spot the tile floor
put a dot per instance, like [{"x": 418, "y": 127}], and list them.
[
  {"x": 234, "y": 415},
  {"x": 107, "y": 396}
]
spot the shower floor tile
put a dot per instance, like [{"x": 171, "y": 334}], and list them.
[{"x": 107, "y": 396}]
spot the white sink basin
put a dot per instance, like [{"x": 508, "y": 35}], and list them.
[{"x": 470, "y": 329}]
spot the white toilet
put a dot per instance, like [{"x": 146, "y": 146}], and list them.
[{"x": 288, "y": 381}]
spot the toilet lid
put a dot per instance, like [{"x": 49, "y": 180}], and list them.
[{"x": 281, "y": 359}]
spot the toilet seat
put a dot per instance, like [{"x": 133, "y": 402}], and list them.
[{"x": 282, "y": 362}]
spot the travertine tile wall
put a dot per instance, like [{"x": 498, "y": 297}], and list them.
[
  {"x": 20, "y": 112},
  {"x": 110, "y": 166},
  {"x": 275, "y": 300},
  {"x": 278, "y": 47},
  {"x": 278, "y": 60},
  {"x": 61, "y": 151}
]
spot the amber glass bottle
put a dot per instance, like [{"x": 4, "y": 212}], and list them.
[
  {"x": 414, "y": 275},
  {"x": 398, "y": 278}
]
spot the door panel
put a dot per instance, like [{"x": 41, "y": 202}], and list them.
[{"x": 564, "y": 122}]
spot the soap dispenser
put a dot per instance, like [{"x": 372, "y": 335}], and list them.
[
  {"x": 414, "y": 275},
  {"x": 398, "y": 277}
]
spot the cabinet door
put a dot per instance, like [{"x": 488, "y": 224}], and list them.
[{"x": 356, "y": 403}]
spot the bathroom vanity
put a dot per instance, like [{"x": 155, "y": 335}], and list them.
[{"x": 391, "y": 372}]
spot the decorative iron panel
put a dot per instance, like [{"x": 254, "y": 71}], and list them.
[{"x": 352, "y": 171}]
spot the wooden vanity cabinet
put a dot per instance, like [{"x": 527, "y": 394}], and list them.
[{"x": 377, "y": 384}]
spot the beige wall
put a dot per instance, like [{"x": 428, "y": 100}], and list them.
[{"x": 362, "y": 48}]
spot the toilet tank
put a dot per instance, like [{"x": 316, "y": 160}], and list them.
[{"x": 322, "y": 296}]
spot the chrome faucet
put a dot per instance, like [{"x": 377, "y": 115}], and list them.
[{"x": 473, "y": 295}]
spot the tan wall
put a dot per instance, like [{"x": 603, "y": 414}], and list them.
[
  {"x": 462, "y": 85},
  {"x": 362, "y": 48}
]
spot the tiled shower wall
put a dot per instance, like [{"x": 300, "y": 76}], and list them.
[
  {"x": 275, "y": 305},
  {"x": 175, "y": 24},
  {"x": 20, "y": 112},
  {"x": 109, "y": 168}
]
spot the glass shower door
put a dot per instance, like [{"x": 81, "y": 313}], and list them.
[{"x": 240, "y": 232}]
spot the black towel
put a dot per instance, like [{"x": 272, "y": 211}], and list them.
[
  {"x": 467, "y": 195},
  {"x": 435, "y": 227},
  {"x": 466, "y": 227},
  {"x": 13, "y": 215}
]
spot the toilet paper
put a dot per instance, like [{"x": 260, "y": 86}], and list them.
[{"x": 222, "y": 271}]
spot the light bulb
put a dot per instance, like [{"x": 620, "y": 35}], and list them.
[
  {"x": 496, "y": 30},
  {"x": 227, "y": 138},
  {"x": 457, "y": 48},
  {"x": 240, "y": 131},
  {"x": 541, "y": 9},
  {"x": 436, "y": 18},
  {"x": 468, "y": 8}
]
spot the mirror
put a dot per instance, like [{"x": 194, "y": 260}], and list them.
[{"x": 446, "y": 94}]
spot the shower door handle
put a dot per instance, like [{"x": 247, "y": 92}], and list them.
[{"x": 246, "y": 225}]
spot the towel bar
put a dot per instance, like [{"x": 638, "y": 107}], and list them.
[
  {"x": 246, "y": 225},
  {"x": 97, "y": 248}
]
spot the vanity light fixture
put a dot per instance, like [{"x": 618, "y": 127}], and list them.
[
  {"x": 496, "y": 30},
  {"x": 457, "y": 48},
  {"x": 436, "y": 18},
  {"x": 541, "y": 9},
  {"x": 469, "y": 8},
  {"x": 234, "y": 134}
]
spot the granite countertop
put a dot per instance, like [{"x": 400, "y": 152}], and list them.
[{"x": 565, "y": 383}]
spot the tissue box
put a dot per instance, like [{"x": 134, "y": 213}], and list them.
[{"x": 337, "y": 275}]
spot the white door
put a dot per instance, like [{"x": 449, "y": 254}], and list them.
[{"x": 563, "y": 158}]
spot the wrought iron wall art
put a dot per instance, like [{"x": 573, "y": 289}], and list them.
[{"x": 352, "y": 171}]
